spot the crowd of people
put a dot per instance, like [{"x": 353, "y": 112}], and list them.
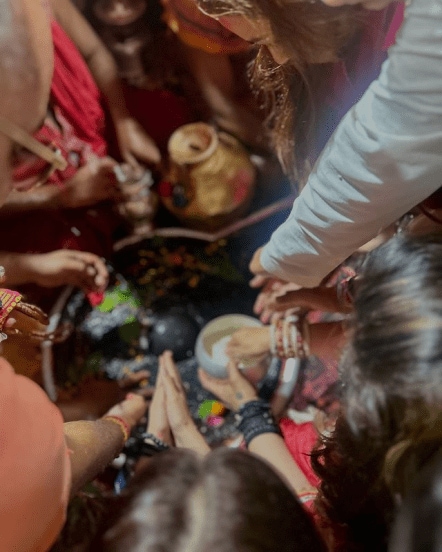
[{"x": 347, "y": 95}]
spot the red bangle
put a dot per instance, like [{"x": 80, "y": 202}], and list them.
[
  {"x": 124, "y": 426},
  {"x": 280, "y": 352}
]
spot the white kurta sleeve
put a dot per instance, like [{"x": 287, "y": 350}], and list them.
[{"x": 383, "y": 159}]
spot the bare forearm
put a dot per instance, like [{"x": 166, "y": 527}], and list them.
[
  {"x": 98, "y": 58},
  {"x": 190, "y": 438},
  {"x": 18, "y": 268},
  {"x": 46, "y": 197},
  {"x": 92, "y": 446},
  {"x": 271, "y": 447},
  {"x": 104, "y": 71}
]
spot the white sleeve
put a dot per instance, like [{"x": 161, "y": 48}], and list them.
[{"x": 383, "y": 159}]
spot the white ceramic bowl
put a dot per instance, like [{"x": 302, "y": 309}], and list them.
[{"x": 213, "y": 332}]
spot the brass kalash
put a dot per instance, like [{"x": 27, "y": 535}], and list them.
[{"x": 210, "y": 181}]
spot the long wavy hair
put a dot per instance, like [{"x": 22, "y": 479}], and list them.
[
  {"x": 391, "y": 420},
  {"x": 309, "y": 33}
]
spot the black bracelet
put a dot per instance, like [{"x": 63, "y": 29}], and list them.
[
  {"x": 161, "y": 445},
  {"x": 255, "y": 418}
]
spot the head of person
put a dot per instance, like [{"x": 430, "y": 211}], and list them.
[
  {"x": 26, "y": 65},
  {"x": 297, "y": 41},
  {"x": 391, "y": 423},
  {"x": 229, "y": 501},
  {"x": 392, "y": 369}
]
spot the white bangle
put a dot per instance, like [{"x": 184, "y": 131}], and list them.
[{"x": 273, "y": 339}]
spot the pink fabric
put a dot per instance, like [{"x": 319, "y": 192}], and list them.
[
  {"x": 35, "y": 469},
  {"x": 75, "y": 101},
  {"x": 79, "y": 134},
  {"x": 300, "y": 440},
  {"x": 396, "y": 23}
]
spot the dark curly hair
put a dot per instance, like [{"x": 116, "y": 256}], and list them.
[{"x": 391, "y": 420}]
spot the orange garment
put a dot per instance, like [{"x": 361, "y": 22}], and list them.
[
  {"x": 198, "y": 30},
  {"x": 35, "y": 471}
]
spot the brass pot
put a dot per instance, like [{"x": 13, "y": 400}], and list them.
[{"x": 210, "y": 180}]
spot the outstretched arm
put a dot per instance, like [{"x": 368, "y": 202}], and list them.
[
  {"x": 57, "y": 268},
  {"x": 235, "y": 391},
  {"x": 383, "y": 159},
  {"x": 93, "y": 445}
]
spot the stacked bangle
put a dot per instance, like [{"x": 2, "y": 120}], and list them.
[
  {"x": 254, "y": 418},
  {"x": 289, "y": 338},
  {"x": 123, "y": 425}
]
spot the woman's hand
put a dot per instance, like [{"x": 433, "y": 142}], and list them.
[
  {"x": 255, "y": 265},
  {"x": 277, "y": 297},
  {"x": 68, "y": 267},
  {"x": 93, "y": 183},
  {"x": 290, "y": 297},
  {"x": 234, "y": 391},
  {"x": 248, "y": 343},
  {"x": 27, "y": 321},
  {"x": 135, "y": 145},
  {"x": 177, "y": 410},
  {"x": 264, "y": 305},
  {"x": 158, "y": 423},
  {"x": 184, "y": 430}
]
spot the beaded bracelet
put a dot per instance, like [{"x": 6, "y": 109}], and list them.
[
  {"x": 302, "y": 336},
  {"x": 279, "y": 330},
  {"x": 305, "y": 334},
  {"x": 124, "y": 426},
  {"x": 159, "y": 444},
  {"x": 294, "y": 336},
  {"x": 290, "y": 337},
  {"x": 254, "y": 418}
]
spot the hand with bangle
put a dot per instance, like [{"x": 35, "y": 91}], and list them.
[
  {"x": 287, "y": 337},
  {"x": 278, "y": 297},
  {"x": 170, "y": 422},
  {"x": 253, "y": 414},
  {"x": 126, "y": 414}
]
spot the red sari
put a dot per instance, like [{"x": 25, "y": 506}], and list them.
[{"x": 79, "y": 134}]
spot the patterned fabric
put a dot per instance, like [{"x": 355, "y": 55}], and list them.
[
  {"x": 300, "y": 440},
  {"x": 8, "y": 301}
]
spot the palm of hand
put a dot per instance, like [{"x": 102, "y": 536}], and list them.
[{"x": 233, "y": 391}]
